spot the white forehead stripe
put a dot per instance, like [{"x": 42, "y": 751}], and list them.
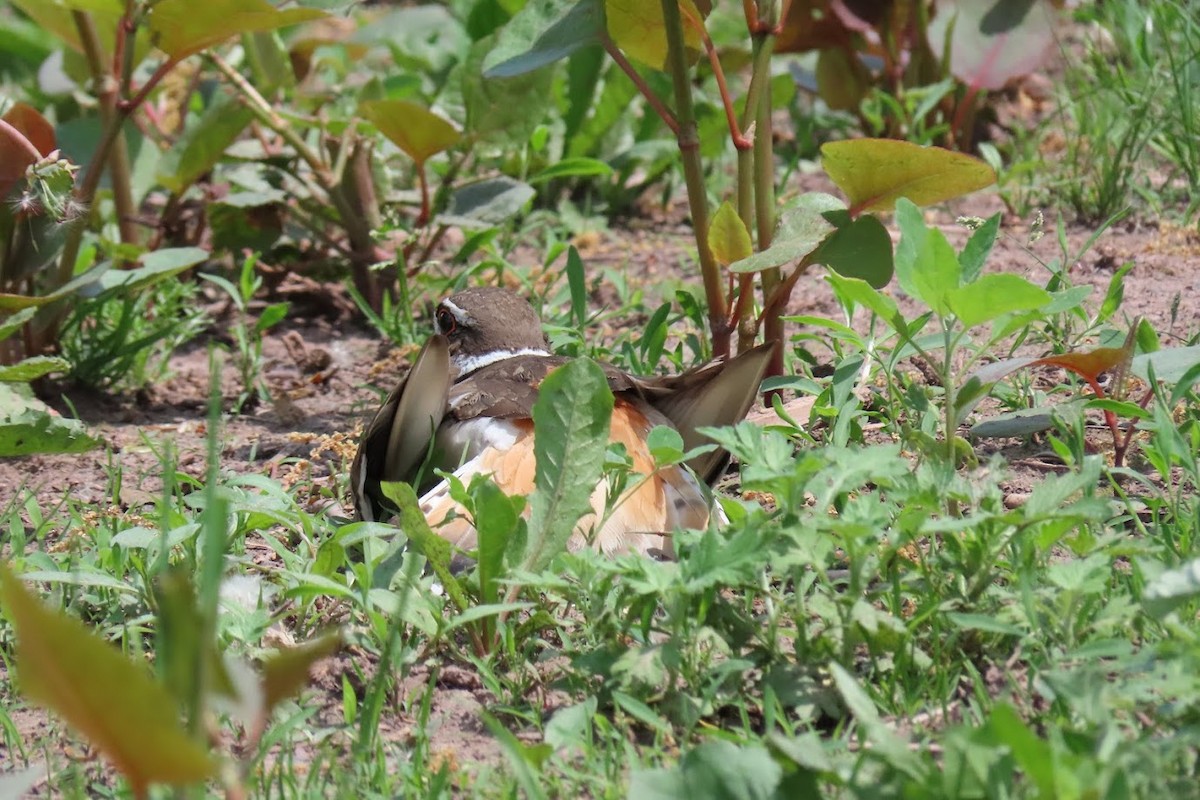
[
  {"x": 457, "y": 312},
  {"x": 468, "y": 364}
]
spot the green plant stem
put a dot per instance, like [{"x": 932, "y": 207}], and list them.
[
  {"x": 693, "y": 174},
  {"x": 764, "y": 194},
  {"x": 107, "y": 90}
]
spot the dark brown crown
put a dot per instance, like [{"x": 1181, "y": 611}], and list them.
[{"x": 486, "y": 320}]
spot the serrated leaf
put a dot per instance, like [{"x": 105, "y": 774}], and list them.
[
  {"x": 543, "y": 32},
  {"x": 181, "y": 28},
  {"x": 992, "y": 296},
  {"x": 727, "y": 236},
  {"x": 423, "y": 540},
  {"x": 112, "y": 701},
  {"x": 413, "y": 128},
  {"x": 571, "y": 421},
  {"x": 801, "y": 228},
  {"x": 637, "y": 27},
  {"x": 875, "y": 173}
]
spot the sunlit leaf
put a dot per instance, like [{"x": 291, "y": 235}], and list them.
[
  {"x": 487, "y": 203},
  {"x": 1090, "y": 364},
  {"x": 874, "y": 173},
  {"x": 1171, "y": 364},
  {"x": 801, "y": 228},
  {"x": 203, "y": 143},
  {"x": 112, "y": 701},
  {"x": 580, "y": 167},
  {"x": 156, "y": 265},
  {"x": 28, "y": 426},
  {"x": 32, "y": 368},
  {"x": 638, "y": 28},
  {"x": 1171, "y": 589},
  {"x": 992, "y": 296},
  {"x": 727, "y": 236},
  {"x": 181, "y": 28},
  {"x": 423, "y": 540},
  {"x": 413, "y": 128}
]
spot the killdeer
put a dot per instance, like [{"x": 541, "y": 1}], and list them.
[{"x": 468, "y": 401}]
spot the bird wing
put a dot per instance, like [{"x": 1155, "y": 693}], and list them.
[
  {"x": 396, "y": 441},
  {"x": 713, "y": 395}
]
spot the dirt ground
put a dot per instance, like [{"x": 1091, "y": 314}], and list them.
[{"x": 323, "y": 363}]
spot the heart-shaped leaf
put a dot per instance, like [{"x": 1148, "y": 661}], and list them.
[
  {"x": 727, "y": 236},
  {"x": 638, "y": 28},
  {"x": 801, "y": 228}
]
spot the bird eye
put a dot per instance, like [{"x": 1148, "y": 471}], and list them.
[{"x": 446, "y": 322}]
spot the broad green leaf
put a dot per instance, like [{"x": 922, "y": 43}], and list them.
[
  {"x": 936, "y": 272},
  {"x": 503, "y": 111},
  {"x": 414, "y": 129},
  {"x": 1032, "y": 754},
  {"x": 579, "y": 167},
  {"x": 32, "y": 368},
  {"x": 203, "y": 143},
  {"x": 874, "y": 173},
  {"x": 714, "y": 770},
  {"x": 861, "y": 292},
  {"x": 156, "y": 266},
  {"x": 487, "y": 203},
  {"x": 571, "y": 726},
  {"x": 1171, "y": 589},
  {"x": 181, "y": 28},
  {"x": 1023, "y": 422},
  {"x": 285, "y": 671},
  {"x": 27, "y": 426},
  {"x": 1171, "y": 364},
  {"x": 543, "y": 32},
  {"x": 571, "y": 421},
  {"x": 727, "y": 236},
  {"x": 801, "y": 229},
  {"x": 992, "y": 42},
  {"x": 994, "y": 295},
  {"x": 497, "y": 517},
  {"x": 860, "y": 248},
  {"x": 112, "y": 701},
  {"x": 637, "y": 27}
]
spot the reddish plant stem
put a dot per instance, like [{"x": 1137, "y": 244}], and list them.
[
  {"x": 740, "y": 141},
  {"x": 21, "y": 140},
  {"x": 655, "y": 102}
]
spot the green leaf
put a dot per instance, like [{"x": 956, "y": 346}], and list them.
[
  {"x": 860, "y": 248},
  {"x": 543, "y": 32},
  {"x": 15, "y": 322},
  {"x": 1171, "y": 364},
  {"x": 497, "y": 517},
  {"x": 156, "y": 266},
  {"x": 861, "y": 292},
  {"x": 579, "y": 167},
  {"x": 413, "y": 128},
  {"x": 27, "y": 426},
  {"x": 571, "y": 423},
  {"x": 181, "y": 28},
  {"x": 992, "y": 296},
  {"x": 203, "y": 143},
  {"x": 715, "y": 770},
  {"x": 32, "y": 368},
  {"x": 975, "y": 252},
  {"x": 112, "y": 701},
  {"x": 935, "y": 273},
  {"x": 1032, "y": 754},
  {"x": 727, "y": 236},
  {"x": 487, "y": 203},
  {"x": 1171, "y": 589},
  {"x": 423, "y": 540},
  {"x": 875, "y": 173},
  {"x": 504, "y": 111},
  {"x": 801, "y": 229}
]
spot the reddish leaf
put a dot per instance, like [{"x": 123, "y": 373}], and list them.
[
  {"x": 1089, "y": 365},
  {"x": 112, "y": 701},
  {"x": 27, "y": 131}
]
